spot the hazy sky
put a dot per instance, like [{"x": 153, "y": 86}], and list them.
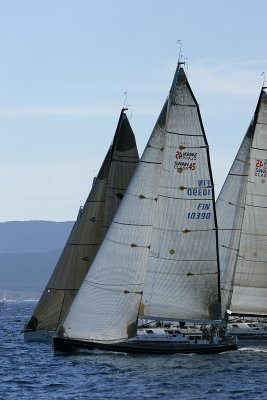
[{"x": 65, "y": 65}]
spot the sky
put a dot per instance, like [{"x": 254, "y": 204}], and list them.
[{"x": 65, "y": 66}]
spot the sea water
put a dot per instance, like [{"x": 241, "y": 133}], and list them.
[{"x": 33, "y": 371}]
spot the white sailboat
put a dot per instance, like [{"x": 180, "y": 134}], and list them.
[
  {"x": 159, "y": 259},
  {"x": 87, "y": 233},
  {"x": 242, "y": 216}
]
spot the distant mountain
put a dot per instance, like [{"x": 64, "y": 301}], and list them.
[
  {"x": 33, "y": 236},
  {"x": 29, "y": 251},
  {"x": 25, "y": 275}
]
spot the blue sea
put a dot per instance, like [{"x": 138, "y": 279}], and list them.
[{"x": 32, "y": 371}]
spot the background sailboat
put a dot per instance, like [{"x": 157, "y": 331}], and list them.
[
  {"x": 87, "y": 233},
  {"x": 242, "y": 216},
  {"x": 159, "y": 258}
]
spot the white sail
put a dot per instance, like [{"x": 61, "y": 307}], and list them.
[
  {"x": 89, "y": 229},
  {"x": 160, "y": 255},
  {"x": 182, "y": 274},
  {"x": 242, "y": 215},
  {"x": 250, "y": 280},
  {"x": 230, "y": 206},
  {"x": 106, "y": 306}
]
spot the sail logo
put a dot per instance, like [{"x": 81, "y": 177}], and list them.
[
  {"x": 181, "y": 165},
  {"x": 261, "y": 168},
  {"x": 185, "y": 155}
]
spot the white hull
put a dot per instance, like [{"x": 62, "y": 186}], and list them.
[
  {"x": 39, "y": 336},
  {"x": 248, "y": 333}
]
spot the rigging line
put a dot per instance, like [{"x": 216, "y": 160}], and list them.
[
  {"x": 185, "y": 105},
  {"x": 125, "y": 155},
  {"x": 132, "y": 245},
  {"x": 182, "y": 147},
  {"x": 231, "y": 204},
  {"x": 115, "y": 188},
  {"x": 94, "y": 201},
  {"x": 229, "y": 229},
  {"x": 125, "y": 104},
  {"x": 229, "y": 248},
  {"x": 178, "y": 260},
  {"x": 84, "y": 244},
  {"x": 125, "y": 161},
  {"x": 109, "y": 285},
  {"x": 154, "y": 148},
  {"x": 150, "y": 162},
  {"x": 58, "y": 289},
  {"x": 182, "y": 198},
  {"x": 254, "y": 261},
  {"x": 182, "y": 273},
  {"x": 253, "y": 206},
  {"x": 260, "y": 123},
  {"x": 184, "y": 231},
  {"x": 257, "y": 148},
  {"x": 242, "y": 161},
  {"x": 254, "y": 234},
  {"x": 183, "y": 134},
  {"x": 122, "y": 223},
  {"x": 264, "y": 80},
  {"x": 241, "y": 175},
  {"x": 179, "y": 42}
]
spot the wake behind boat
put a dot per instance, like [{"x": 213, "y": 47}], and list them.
[
  {"x": 159, "y": 259},
  {"x": 85, "y": 238}
]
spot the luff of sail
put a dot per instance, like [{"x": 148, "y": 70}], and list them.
[
  {"x": 142, "y": 267},
  {"x": 249, "y": 277},
  {"x": 230, "y": 207},
  {"x": 89, "y": 229}
]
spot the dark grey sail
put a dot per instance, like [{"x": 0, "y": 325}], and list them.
[{"x": 88, "y": 231}]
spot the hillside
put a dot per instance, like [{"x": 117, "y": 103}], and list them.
[
  {"x": 33, "y": 236},
  {"x": 29, "y": 251}
]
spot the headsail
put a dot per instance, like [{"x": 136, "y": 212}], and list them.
[
  {"x": 249, "y": 267},
  {"x": 89, "y": 229},
  {"x": 160, "y": 254}
]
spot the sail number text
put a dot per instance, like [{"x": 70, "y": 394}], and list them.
[{"x": 201, "y": 212}]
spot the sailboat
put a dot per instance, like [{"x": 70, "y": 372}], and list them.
[
  {"x": 159, "y": 260},
  {"x": 242, "y": 216},
  {"x": 88, "y": 231}
]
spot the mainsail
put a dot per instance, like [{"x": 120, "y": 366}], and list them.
[
  {"x": 160, "y": 255},
  {"x": 242, "y": 216},
  {"x": 89, "y": 229}
]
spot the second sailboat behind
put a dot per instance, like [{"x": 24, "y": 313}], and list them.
[
  {"x": 159, "y": 259},
  {"x": 88, "y": 231}
]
